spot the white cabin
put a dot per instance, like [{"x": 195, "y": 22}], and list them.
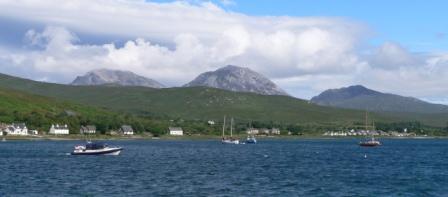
[
  {"x": 126, "y": 130},
  {"x": 176, "y": 131},
  {"x": 59, "y": 129},
  {"x": 17, "y": 129},
  {"x": 89, "y": 129}
]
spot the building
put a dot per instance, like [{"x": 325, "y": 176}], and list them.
[
  {"x": 275, "y": 131},
  {"x": 252, "y": 131},
  {"x": 17, "y": 129},
  {"x": 211, "y": 122},
  {"x": 264, "y": 131},
  {"x": 59, "y": 129},
  {"x": 126, "y": 130},
  {"x": 33, "y": 132},
  {"x": 176, "y": 131},
  {"x": 89, "y": 129}
]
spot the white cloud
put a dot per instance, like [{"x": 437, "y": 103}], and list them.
[{"x": 304, "y": 55}]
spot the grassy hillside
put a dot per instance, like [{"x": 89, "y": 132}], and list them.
[
  {"x": 39, "y": 113},
  {"x": 206, "y": 104}
]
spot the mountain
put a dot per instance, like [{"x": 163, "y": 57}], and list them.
[
  {"x": 204, "y": 103},
  {"x": 237, "y": 79},
  {"x": 115, "y": 77},
  {"x": 360, "y": 97}
]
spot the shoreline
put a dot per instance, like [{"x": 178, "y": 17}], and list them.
[{"x": 194, "y": 137}]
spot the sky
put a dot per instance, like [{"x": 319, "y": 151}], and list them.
[{"x": 305, "y": 47}]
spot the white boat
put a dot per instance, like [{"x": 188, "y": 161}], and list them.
[
  {"x": 96, "y": 149},
  {"x": 228, "y": 140}
]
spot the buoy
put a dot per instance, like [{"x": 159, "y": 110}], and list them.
[{"x": 365, "y": 155}]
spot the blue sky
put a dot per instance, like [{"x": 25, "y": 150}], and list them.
[
  {"x": 305, "y": 47},
  {"x": 418, "y": 25}
]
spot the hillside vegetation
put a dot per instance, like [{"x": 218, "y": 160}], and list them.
[{"x": 199, "y": 104}]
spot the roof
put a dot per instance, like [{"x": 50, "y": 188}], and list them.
[
  {"x": 126, "y": 128},
  {"x": 58, "y": 126},
  {"x": 175, "y": 129},
  {"x": 19, "y": 125},
  {"x": 88, "y": 128}
]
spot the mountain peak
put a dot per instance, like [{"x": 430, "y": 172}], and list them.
[
  {"x": 117, "y": 77},
  {"x": 238, "y": 79}
]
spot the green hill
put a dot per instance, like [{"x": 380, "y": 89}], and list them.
[
  {"x": 200, "y": 103},
  {"x": 40, "y": 112}
]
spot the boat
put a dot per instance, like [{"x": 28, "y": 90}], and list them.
[
  {"x": 371, "y": 142},
  {"x": 228, "y": 140},
  {"x": 95, "y": 148},
  {"x": 251, "y": 139}
]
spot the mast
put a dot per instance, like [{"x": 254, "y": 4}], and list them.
[
  {"x": 231, "y": 127},
  {"x": 223, "y": 126},
  {"x": 366, "y": 122}
]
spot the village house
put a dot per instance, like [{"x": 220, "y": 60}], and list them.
[
  {"x": 17, "y": 129},
  {"x": 176, "y": 131},
  {"x": 211, "y": 122},
  {"x": 275, "y": 131},
  {"x": 59, "y": 129},
  {"x": 252, "y": 131},
  {"x": 126, "y": 130},
  {"x": 89, "y": 129},
  {"x": 264, "y": 131}
]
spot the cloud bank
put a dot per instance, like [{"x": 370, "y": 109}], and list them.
[{"x": 174, "y": 42}]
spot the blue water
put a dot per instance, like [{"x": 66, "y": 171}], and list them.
[{"x": 209, "y": 168}]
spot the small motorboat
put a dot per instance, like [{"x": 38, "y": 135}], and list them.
[
  {"x": 251, "y": 140},
  {"x": 92, "y": 148}
]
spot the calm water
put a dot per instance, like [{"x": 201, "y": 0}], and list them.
[{"x": 209, "y": 168}]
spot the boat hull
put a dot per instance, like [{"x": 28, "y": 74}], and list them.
[
  {"x": 230, "y": 141},
  {"x": 110, "y": 151},
  {"x": 369, "y": 144}
]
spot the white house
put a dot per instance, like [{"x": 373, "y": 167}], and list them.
[
  {"x": 252, "y": 131},
  {"x": 211, "y": 122},
  {"x": 275, "y": 131},
  {"x": 89, "y": 129},
  {"x": 17, "y": 129},
  {"x": 176, "y": 131},
  {"x": 126, "y": 130},
  {"x": 59, "y": 129}
]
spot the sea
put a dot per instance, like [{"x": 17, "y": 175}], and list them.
[{"x": 272, "y": 167}]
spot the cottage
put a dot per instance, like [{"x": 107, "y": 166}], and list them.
[
  {"x": 126, "y": 130},
  {"x": 89, "y": 129},
  {"x": 176, "y": 131},
  {"x": 17, "y": 129},
  {"x": 252, "y": 131},
  {"x": 264, "y": 131},
  {"x": 275, "y": 131},
  {"x": 59, "y": 129}
]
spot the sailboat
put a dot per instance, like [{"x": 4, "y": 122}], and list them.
[
  {"x": 228, "y": 140},
  {"x": 372, "y": 142}
]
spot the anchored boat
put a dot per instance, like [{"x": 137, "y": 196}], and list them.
[
  {"x": 228, "y": 140},
  {"x": 372, "y": 141},
  {"x": 95, "y": 148}
]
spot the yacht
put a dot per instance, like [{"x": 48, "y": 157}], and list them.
[
  {"x": 228, "y": 140},
  {"x": 95, "y": 148},
  {"x": 372, "y": 141}
]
